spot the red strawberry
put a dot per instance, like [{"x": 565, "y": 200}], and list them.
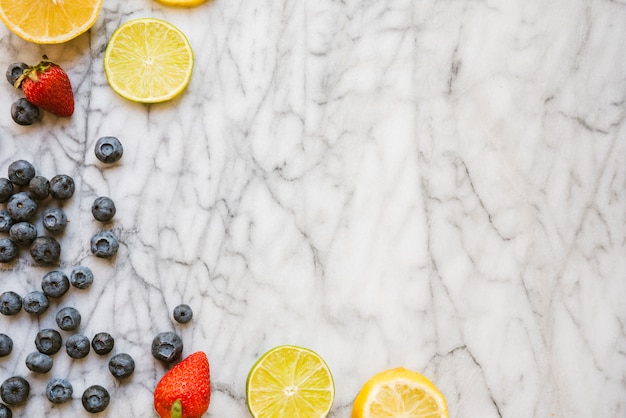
[
  {"x": 185, "y": 390},
  {"x": 48, "y": 86}
]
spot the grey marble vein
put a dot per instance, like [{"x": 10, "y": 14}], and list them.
[{"x": 439, "y": 185}]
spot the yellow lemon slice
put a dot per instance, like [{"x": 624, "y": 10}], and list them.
[
  {"x": 181, "y": 3},
  {"x": 290, "y": 382},
  {"x": 399, "y": 393},
  {"x": 49, "y": 21},
  {"x": 148, "y": 61}
]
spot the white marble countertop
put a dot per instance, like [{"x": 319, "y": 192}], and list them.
[{"x": 439, "y": 185}]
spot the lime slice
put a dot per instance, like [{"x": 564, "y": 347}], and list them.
[
  {"x": 399, "y": 393},
  {"x": 148, "y": 61},
  {"x": 290, "y": 382},
  {"x": 49, "y": 22}
]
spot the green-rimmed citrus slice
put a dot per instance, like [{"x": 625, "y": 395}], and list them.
[
  {"x": 148, "y": 61},
  {"x": 290, "y": 382}
]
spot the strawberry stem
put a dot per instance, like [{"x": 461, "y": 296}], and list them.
[
  {"x": 177, "y": 409},
  {"x": 32, "y": 72}
]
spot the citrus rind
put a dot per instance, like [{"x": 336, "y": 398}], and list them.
[{"x": 181, "y": 3}]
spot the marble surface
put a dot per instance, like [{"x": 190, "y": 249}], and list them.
[{"x": 439, "y": 185}]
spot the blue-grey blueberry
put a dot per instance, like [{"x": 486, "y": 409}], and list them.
[
  {"x": 54, "y": 220},
  {"x": 59, "y": 390},
  {"x": 35, "y": 302},
  {"x": 55, "y": 284},
  {"x": 23, "y": 233},
  {"x": 61, "y": 187},
  {"x": 108, "y": 149},
  {"x": 104, "y": 244},
  {"x": 21, "y": 207},
  {"x": 45, "y": 250},
  {"x": 103, "y": 209},
  {"x": 21, "y": 172},
  {"x": 39, "y": 188}
]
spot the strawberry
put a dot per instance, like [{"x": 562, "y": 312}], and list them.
[
  {"x": 185, "y": 390},
  {"x": 48, "y": 86}
]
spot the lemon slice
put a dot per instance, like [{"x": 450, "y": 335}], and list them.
[
  {"x": 290, "y": 382},
  {"x": 148, "y": 61},
  {"x": 181, "y": 3},
  {"x": 399, "y": 393},
  {"x": 48, "y": 21}
]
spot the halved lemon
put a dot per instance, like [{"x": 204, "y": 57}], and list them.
[
  {"x": 290, "y": 382},
  {"x": 49, "y": 21},
  {"x": 181, "y": 3},
  {"x": 399, "y": 393},
  {"x": 148, "y": 60}
]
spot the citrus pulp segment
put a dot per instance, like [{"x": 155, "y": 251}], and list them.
[
  {"x": 290, "y": 381},
  {"x": 148, "y": 61},
  {"x": 399, "y": 393},
  {"x": 49, "y": 22}
]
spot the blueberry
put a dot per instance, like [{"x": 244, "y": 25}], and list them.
[
  {"x": 45, "y": 250},
  {"x": 24, "y": 112},
  {"x": 103, "y": 209},
  {"x": 68, "y": 319},
  {"x": 59, "y": 391},
  {"x": 6, "y": 189},
  {"x": 48, "y": 341},
  {"x": 36, "y": 302},
  {"x": 108, "y": 149},
  {"x": 21, "y": 172},
  {"x": 104, "y": 244},
  {"x": 5, "y": 412},
  {"x": 77, "y": 346},
  {"x": 23, "y": 233},
  {"x": 61, "y": 187},
  {"x": 38, "y": 362},
  {"x": 5, "y": 221},
  {"x": 10, "y": 303},
  {"x": 167, "y": 347},
  {"x": 54, "y": 220},
  {"x": 102, "y": 343},
  {"x": 15, "y": 71},
  {"x": 121, "y": 365},
  {"x": 39, "y": 188},
  {"x": 6, "y": 345},
  {"x": 21, "y": 207},
  {"x": 8, "y": 250},
  {"x": 95, "y": 399},
  {"x": 183, "y": 313},
  {"x": 14, "y": 390},
  {"x": 81, "y": 277},
  {"x": 55, "y": 284}
]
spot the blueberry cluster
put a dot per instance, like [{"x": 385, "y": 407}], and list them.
[
  {"x": 167, "y": 346},
  {"x": 22, "y": 194},
  {"x": 49, "y": 341},
  {"x": 104, "y": 244},
  {"x": 23, "y": 112},
  {"x": 15, "y": 390}
]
